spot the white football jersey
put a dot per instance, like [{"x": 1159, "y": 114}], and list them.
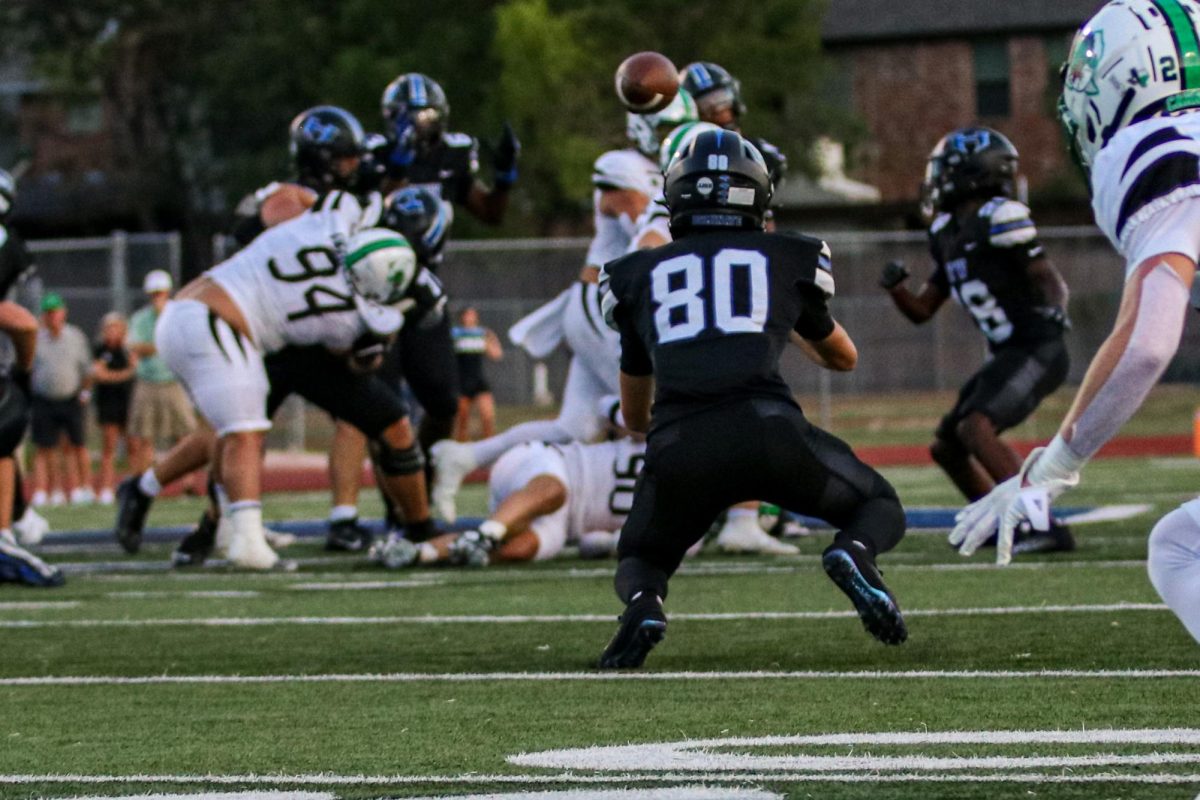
[
  {"x": 619, "y": 169},
  {"x": 1143, "y": 169},
  {"x": 289, "y": 282},
  {"x": 600, "y": 480},
  {"x": 655, "y": 218}
]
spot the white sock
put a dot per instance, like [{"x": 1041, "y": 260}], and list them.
[
  {"x": 1174, "y": 564},
  {"x": 428, "y": 553},
  {"x": 245, "y": 516},
  {"x": 148, "y": 483},
  {"x": 7, "y": 537},
  {"x": 340, "y": 513}
]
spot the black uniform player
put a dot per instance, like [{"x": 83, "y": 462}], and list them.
[
  {"x": 988, "y": 258},
  {"x": 706, "y": 319}
]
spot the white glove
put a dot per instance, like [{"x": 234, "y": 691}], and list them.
[{"x": 1024, "y": 496}]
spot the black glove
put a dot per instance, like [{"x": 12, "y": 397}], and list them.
[
  {"x": 894, "y": 274},
  {"x": 1055, "y": 314},
  {"x": 505, "y": 155}
]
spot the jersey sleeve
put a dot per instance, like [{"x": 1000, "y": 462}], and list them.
[
  {"x": 1010, "y": 227},
  {"x": 815, "y": 323},
  {"x": 619, "y": 314},
  {"x": 465, "y": 152}
]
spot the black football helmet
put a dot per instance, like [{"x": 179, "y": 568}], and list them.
[
  {"x": 718, "y": 181},
  {"x": 967, "y": 163},
  {"x": 423, "y": 219},
  {"x": 713, "y": 88},
  {"x": 8, "y": 194},
  {"x": 415, "y": 108},
  {"x": 321, "y": 136}
]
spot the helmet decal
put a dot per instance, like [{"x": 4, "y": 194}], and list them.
[
  {"x": 699, "y": 74},
  {"x": 1084, "y": 63}
]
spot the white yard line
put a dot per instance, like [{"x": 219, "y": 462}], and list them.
[
  {"x": 38, "y": 605},
  {"x": 544, "y": 677},
  {"x": 158, "y": 594},
  {"x": 514, "y": 619},
  {"x": 338, "y": 586}
]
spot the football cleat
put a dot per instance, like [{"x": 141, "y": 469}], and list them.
[
  {"x": 1058, "y": 539},
  {"x": 394, "y": 552},
  {"x": 31, "y": 528},
  {"x": 452, "y": 461},
  {"x": 132, "y": 507},
  {"x": 348, "y": 535},
  {"x": 853, "y": 570},
  {"x": 195, "y": 548},
  {"x": 643, "y": 625},
  {"x": 471, "y": 549},
  {"x": 251, "y": 551},
  {"x": 18, "y": 565},
  {"x": 742, "y": 534}
]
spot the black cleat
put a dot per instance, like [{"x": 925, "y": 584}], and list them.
[
  {"x": 348, "y": 535},
  {"x": 132, "y": 507},
  {"x": 197, "y": 546},
  {"x": 854, "y": 572},
  {"x": 643, "y": 625},
  {"x": 1056, "y": 540}
]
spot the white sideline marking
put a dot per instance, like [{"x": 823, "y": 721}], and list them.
[
  {"x": 213, "y": 593},
  {"x": 456, "y": 619},
  {"x": 338, "y": 586},
  {"x": 537, "y": 677},
  {"x": 668, "y": 793},
  {"x": 253, "y": 795},
  {"x": 35, "y": 605},
  {"x": 1165, "y": 778},
  {"x": 695, "y": 755}
]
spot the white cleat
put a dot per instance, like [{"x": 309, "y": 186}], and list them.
[
  {"x": 279, "y": 539},
  {"x": 31, "y": 528},
  {"x": 452, "y": 462},
  {"x": 743, "y": 535},
  {"x": 251, "y": 551}
]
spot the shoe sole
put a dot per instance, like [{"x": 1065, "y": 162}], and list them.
[
  {"x": 649, "y": 633},
  {"x": 878, "y": 612}
]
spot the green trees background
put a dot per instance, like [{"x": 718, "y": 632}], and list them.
[{"x": 202, "y": 91}]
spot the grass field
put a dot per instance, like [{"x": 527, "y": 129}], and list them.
[{"x": 1059, "y": 677}]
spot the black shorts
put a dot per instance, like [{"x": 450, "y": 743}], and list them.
[
  {"x": 1009, "y": 386},
  {"x": 760, "y": 449},
  {"x": 471, "y": 386},
  {"x": 425, "y": 358},
  {"x": 366, "y": 401},
  {"x": 14, "y": 417},
  {"x": 52, "y": 418},
  {"x": 112, "y": 404}
]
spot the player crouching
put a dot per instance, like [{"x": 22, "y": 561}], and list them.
[
  {"x": 706, "y": 318},
  {"x": 542, "y": 498}
]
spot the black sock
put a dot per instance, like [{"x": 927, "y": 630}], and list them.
[
  {"x": 635, "y": 576},
  {"x": 878, "y": 524},
  {"x": 420, "y": 531}
]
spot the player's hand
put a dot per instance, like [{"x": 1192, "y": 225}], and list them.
[
  {"x": 1002, "y": 509},
  {"x": 504, "y": 160},
  {"x": 894, "y": 274}
]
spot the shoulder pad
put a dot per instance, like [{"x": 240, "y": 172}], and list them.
[
  {"x": 458, "y": 140},
  {"x": 1009, "y": 223},
  {"x": 939, "y": 222}
]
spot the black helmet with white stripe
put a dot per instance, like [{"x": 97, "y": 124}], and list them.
[
  {"x": 718, "y": 181},
  {"x": 320, "y": 138}
]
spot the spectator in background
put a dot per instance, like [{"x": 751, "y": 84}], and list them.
[
  {"x": 112, "y": 373},
  {"x": 62, "y": 375},
  {"x": 471, "y": 344},
  {"x": 160, "y": 409}
]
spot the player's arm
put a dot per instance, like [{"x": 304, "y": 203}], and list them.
[
  {"x": 288, "y": 201},
  {"x": 637, "y": 395},
  {"x": 835, "y": 352},
  {"x": 21, "y": 327},
  {"x": 918, "y": 307},
  {"x": 1052, "y": 288},
  {"x": 623, "y": 204},
  {"x": 491, "y": 345}
]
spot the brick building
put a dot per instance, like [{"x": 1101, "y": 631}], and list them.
[{"x": 914, "y": 70}]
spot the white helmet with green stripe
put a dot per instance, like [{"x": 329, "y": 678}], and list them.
[
  {"x": 680, "y": 138},
  {"x": 380, "y": 266},
  {"x": 1133, "y": 60},
  {"x": 643, "y": 129}
]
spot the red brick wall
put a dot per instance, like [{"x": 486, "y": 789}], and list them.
[{"x": 912, "y": 93}]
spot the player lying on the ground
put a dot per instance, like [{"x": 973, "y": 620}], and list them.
[
  {"x": 17, "y": 565},
  {"x": 988, "y": 257},
  {"x": 703, "y": 322},
  {"x": 1139, "y": 143},
  {"x": 542, "y": 497},
  {"x": 624, "y": 183},
  {"x": 324, "y": 278}
]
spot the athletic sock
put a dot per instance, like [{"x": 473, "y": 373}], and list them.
[
  {"x": 148, "y": 484},
  {"x": 636, "y": 576},
  {"x": 343, "y": 513},
  {"x": 1174, "y": 564},
  {"x": 245, "y": 517}
]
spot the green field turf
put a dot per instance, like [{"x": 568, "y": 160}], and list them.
[{"x": 343, "y": 680}]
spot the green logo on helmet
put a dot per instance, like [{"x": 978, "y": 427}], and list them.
[{"x": 1084, "y": 63}]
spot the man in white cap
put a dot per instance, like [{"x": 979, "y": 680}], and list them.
[{"x": 160, "y": 409}]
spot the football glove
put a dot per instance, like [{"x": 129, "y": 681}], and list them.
[
  {"x": 504, "y": 158},
  {"x": 1002, "y": 509},
  {"x": 894, "y": 274}
]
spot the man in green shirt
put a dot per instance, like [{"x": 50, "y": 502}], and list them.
[{"x": 160, "y": 409}]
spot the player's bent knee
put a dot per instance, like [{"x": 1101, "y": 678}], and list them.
[
  {"x": 397, "y": 460},
  {"x": 974, "y": 429}
]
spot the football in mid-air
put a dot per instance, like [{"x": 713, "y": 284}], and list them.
[{"x": 646, "y": 82}]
